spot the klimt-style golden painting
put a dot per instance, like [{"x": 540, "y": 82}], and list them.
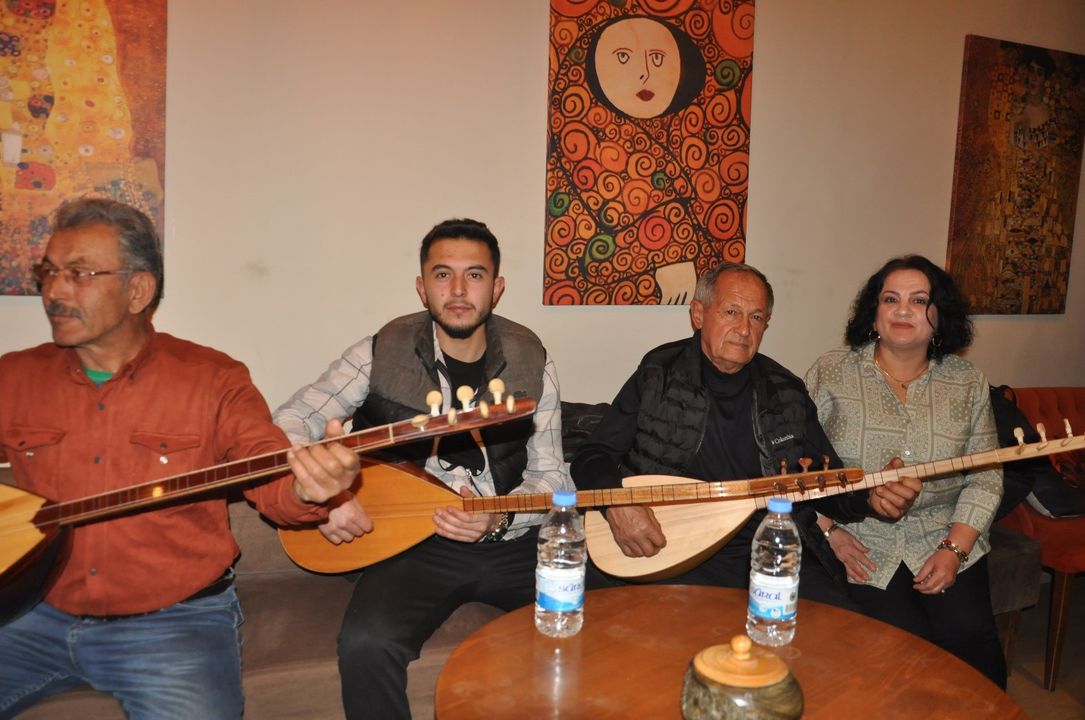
[
  {"x": 82, "y": 112},
  {"x": 1015, "y": 185}
]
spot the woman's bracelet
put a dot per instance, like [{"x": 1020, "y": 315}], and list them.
[{"x": 954, "y": 548}]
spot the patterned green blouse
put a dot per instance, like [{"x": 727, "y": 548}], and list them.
[{"x": 948, "y": 414}]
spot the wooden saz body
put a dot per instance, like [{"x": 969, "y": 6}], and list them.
[
  {"x": 28, "y": 553},
  {"x": 694, "y": 532},
  {"x": 399, "y": 498}
]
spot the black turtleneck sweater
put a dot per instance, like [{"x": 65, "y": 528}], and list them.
[{"x": 728, "y": 449}]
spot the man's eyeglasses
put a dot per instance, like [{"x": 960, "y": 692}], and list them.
[{"x": 77, "y": 276}]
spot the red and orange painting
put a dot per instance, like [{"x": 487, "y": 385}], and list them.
[
  {"x": 82, "y": 112},
  {"x": 648, "y": 147}
]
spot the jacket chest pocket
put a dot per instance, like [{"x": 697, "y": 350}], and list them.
[
  {"x": 785, "y": 450},
  {"x": 171, "y": 449},
  {"x": 173, "y": 455},
  {"x": 35, "y": 451}
]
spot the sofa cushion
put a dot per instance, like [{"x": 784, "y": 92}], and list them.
[{"x": 578, "y": 422}]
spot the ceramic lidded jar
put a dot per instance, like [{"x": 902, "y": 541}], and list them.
[{"x": 740, "y": 682}]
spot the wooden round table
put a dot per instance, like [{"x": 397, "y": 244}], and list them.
[{"x": 630, "y": 658}]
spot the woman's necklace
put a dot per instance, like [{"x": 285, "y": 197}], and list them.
[{"x": 903, "y": 383}]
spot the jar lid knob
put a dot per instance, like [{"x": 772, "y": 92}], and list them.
[{"x": 740, "y": 664}]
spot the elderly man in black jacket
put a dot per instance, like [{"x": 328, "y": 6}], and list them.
[{"x": 711, "y": 407}]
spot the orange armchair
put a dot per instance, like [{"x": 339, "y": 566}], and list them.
[{"x": 1062, "y": 540}]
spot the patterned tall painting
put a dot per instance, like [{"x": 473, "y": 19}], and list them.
[
  {"x": 1015, "y": 185},
  {"x": 648, "y": 147},
  {"x": 82, "y": 112}
]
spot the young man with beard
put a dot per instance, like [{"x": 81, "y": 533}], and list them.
[{"x": 457, "y": 341}]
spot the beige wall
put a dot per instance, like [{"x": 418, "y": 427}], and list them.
[{"x": 308, "y": 154}]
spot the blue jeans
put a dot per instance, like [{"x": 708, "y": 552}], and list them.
[{"x": 182, "y": 662}]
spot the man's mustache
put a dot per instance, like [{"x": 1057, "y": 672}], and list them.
[{"x": 54, "y": 308}]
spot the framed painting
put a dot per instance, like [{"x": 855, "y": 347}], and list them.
[
  {"x": 1016, "y": 176},
  {"x": 82, "y": 112},
  {"x": 648, "y": 147}
]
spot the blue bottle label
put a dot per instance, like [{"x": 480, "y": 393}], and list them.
[
  {"x": 559, "y": 588},
  {"x": 773, "y": 597}
]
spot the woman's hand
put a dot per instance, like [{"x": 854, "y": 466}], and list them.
[
  {"x": 894, "y": 499},
  {"x": 853, "y": 554},
  {"x": 938, "y": 573},
  {"x": 940, "y": 570}
]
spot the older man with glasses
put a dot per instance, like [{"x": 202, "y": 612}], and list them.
[{"x": 143, "y": 605}]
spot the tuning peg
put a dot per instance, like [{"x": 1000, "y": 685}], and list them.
[
  {"x": 484, "y": 408},
  {"x": 419, "y": 421},
  {"x": 464, "y": 394},
  {"x": 1043, "y": 435},
  {"x": 433, "y": 400},
  {"x": 497, "y": 387},
  {"x": 783, "y": 467},
  {"x": 805, "y": 463},
  {"x": 453, "y": 416},
  {"x": 1069, "y": 432},
  {"x": 510, "y": 404},
  {"x": 1020, "y": 435},
  {"x": 824, "y": 462}
]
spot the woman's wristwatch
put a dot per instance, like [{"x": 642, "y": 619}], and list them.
[{"x": 830, "y": 530}]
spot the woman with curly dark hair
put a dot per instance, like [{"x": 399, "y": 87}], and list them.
[{"x": 900, "y": 395}]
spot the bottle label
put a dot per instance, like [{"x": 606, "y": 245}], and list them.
[
  {"x": 774, "y": 597},
  {"x": 559, "y": 588}
]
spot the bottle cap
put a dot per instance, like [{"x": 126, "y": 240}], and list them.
[
  {"x": 780, "y": 505},
  {"x": 564, "y": 498}
]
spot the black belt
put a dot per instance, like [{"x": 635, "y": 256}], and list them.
[{"x": 216, "y": 588}]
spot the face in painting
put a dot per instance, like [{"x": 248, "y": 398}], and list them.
[
  {"x": 905, "y": 317},
  {"x": 733, "y": 324},
  {"x": 458, "y": 285},
  {"x": 96, "y": 312},
  {"x": 639, "y": 66}
]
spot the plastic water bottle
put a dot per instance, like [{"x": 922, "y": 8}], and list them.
[
  {"x": 774, "y": 577},
  {"x": 559, "y": 576}
]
